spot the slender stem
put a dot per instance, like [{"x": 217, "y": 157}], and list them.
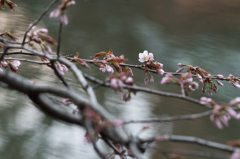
[
  {"x": 4, "y": 53},
  {"x": 192, "y": 139},
  {"x": 190, "y": 153},
  {"x": 182, "y": 89},
  {"x": 27, "y": 60},
  {"x": 173, "y": 118},
  {"x": 59, "y": 39}
]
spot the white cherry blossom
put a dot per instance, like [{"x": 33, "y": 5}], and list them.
[{"x": 143, "y": 56}]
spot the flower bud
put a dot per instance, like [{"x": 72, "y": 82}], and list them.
[
  {"x": 219, "y": 83},
  {"x": 219, "y": 76},
  {"x": 129, "y": 80},
  {"x": 64, "y": 19},
  {"x": 181, "y": 65}
]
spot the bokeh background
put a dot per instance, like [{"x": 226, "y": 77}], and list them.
[{"x": 202, "y": 33}]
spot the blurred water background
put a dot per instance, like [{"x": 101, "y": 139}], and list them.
[{"x": 202, "y": 33}]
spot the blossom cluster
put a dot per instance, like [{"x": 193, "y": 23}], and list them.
[
  {"x": 110, "y": 60},
  {"x": 234, "y": 81},
  {"x": 148, "y": 59},
  {"x": 186, "y": 80},
  {"x": 60, "y": 11},
  {"x": 13, "y": 64},
  {"x": 39, "y": 36},
  {"x": 221, "y": 114},
  {"x": 203, "y": 77},
  {"x": 118, "y": 81}
]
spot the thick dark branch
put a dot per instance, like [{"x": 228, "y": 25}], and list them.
[
  {"x": 54, "y": 111},
  {"x": 22, "y": 85}
]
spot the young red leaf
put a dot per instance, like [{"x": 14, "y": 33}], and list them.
[{"x": 100, "y": 54}]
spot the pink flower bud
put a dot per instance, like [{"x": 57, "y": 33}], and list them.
[
  {"x": 118, "y": 123},
  {"x": 15, "y": 64},
  {"x": 218, "y": 123},
  {"x": 29, "y": 34},
  {"x": 151, "y": 56},
  {"x": 232, "y": 112},
  {"x": 205, "y": 100},
  {"x": 236, "y": 154},
  {"x": 235, "y": 101},
  {"x": 146, "y": 80},
  {"x": 71, "y": 3},
  {"x": 159, "y": 65},
  {"x": 224, "y": 119},
  {"x": 55, "y": 14},
  {"x": 62, "y": 68},
  {"x": 4, "y": 63},
  {"x": 199, "y": 77},
  {"x": 64, "y": 19},
  {"x": 114, "y": 83},
  {"x": 219, "y": 76},
  {"x": 181, "y": 64},
  {"x": 219, "y": 83},
  {"x": 160, "y": 71},
  {"x": 129, "y": 80},
  {"x": 49, "y": 49},
  {"x": 235, "y": 84},
  {"x": 179, "y": 70},
  {"x": 165, "y": 80},
  {"x": 1, "y": 69},
  {"x": 152, "y": 80},
  {"x": 109, "y": 69},
  {"x": 103, "y": 69},
  {"x": 44, "y": 30},
  {"x": 123, "y": 78}
]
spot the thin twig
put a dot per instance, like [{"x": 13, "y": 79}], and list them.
[
  {"x": 190, "y": 153},
  {"x": 59, "y": 39},
  {"x": 4, "y": 53},
  {"x": 182, "y": 89},
  {"x": 27, "y": 60},
  {"x": 173, "y": 118},
  {"x": 192, "y": 139}
]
